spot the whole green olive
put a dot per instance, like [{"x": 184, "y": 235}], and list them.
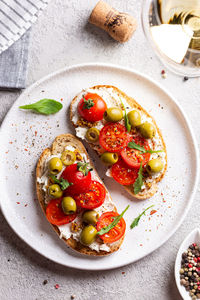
[
  {"x": 134, "y": 118},
  {"x": 109, "y": 158},
  {"x": 55, "y": 191},
  {"x": 92, "y": 135},
  {"x": 90, "y": 217},
  {"x": 113, "y": 114},
  {"x": 88, "y": 235},
  {"x": 68, "y": 157},
  {"x": 147, "y": 130},
  {"x": 68, "y": 205},
  {"x": 55, "y": 165},
  {"x": 154, "y": 166}
]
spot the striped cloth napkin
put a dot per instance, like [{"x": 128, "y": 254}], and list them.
[{"x": 16, "y": 17}]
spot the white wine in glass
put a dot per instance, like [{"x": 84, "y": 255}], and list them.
[{"x": 173, "y": 28}]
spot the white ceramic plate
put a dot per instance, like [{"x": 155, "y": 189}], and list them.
[{"x": 24, "y": 135}]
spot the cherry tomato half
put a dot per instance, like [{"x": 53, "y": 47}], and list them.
[
  {"x": 55, "y": 214},
  {"x": 92, "y": 107},
  {"x": 81, "y": 182},
  {"x": 93, "y": 198},
  {"x": 123, "y": 174},
  {"x": 113, "y": 137},
  {"x": 133, "y": 157},
  {"x": 115, "y": 233}
]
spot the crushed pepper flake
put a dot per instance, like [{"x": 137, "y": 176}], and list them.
[
  {"x": 18, "y": 202},
  {"x": 141, "y": 245},
  {"x": 35, "y": 133},
  {"x": 57, "y": 286},
  {"x": 153, "y": 211}
]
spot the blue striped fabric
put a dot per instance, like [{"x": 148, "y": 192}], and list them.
[{"x": 16, "y": 17}]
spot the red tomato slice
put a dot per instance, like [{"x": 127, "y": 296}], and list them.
[
  {"x": 123, "y": 174},
  {"x": 81, "y": 183},
  {"x": 115, "y": 233},
  {"x": 113, "y": 137},
  {"x": 133, "y": 157},
  {"x": 95, "y": 112},
  {"x": 93, "y": 198},
  {"x": 55, "y": 214}
]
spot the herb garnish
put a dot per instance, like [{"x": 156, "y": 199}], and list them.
[
  {"x": 64, "y": 184},
  {"x": 84, "y": 168},
  {"x": 126, "y": 120},
  {"x": 133, "y": 145},
  {"x": 136, "y": 220},
  {"x": 139, "y": 181},
  {"x": 44, "y": 106},
  {"x": 88, "y": 103},
  {"x": 113, "y": 224}
]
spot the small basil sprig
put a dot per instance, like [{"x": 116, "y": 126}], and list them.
[
  {"x": 89, "y": 103},
  {"x": 126, "y": 120},
  {"x": 113, "y": 224},
  {"x": 133, "y": 145},
  {"x": 139, "y": 181},
  {"x": 84, "y": 168},
  {"x": 136, "y": 220},
  {"x": 44, "y": 106},
  {"x": 64, "y": 184}
]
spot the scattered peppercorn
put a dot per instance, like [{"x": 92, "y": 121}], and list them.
[
  {"x": 190, "y": 271},
  {"x": 45, "y": 282},
  {"x": 185, "y": 78},
  {"x": 163, "y": 74},
  {"x": 56, "y": 286},
  {"x": 73, "y": 297}
]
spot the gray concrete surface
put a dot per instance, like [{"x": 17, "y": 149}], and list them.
[{"x": 62, "y": 37}]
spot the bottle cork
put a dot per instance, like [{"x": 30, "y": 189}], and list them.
[{"x": 120, "y": 26}]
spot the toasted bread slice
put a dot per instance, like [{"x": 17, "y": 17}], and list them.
[
  {"x": 58, "y": 147},
  {"x": 150, "y": 188}
]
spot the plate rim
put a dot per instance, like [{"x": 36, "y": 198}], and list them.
[{"x": 163, "y": 89}]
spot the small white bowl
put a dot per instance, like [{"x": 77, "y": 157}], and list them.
[{"x": 193, "y": 237}]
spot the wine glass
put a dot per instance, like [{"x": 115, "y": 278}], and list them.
[{"x": 172, "y": 27}]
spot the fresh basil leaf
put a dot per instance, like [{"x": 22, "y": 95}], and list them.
[
  {"x": 126, "y": 120},
  {"x": 133, "y": 145},
  {"x": 88, "y": 103},
  {"x": 84, "y": 168},
  {"x": 64, "y": 184},
  {"x": 44, "y": 106},
  {"x": 139, "y": 181},
  {"x": 136, "y": 220},
  {"x": 113, "y": 224}
]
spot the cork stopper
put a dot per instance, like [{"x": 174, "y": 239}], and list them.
[{"x": 120, "y": 26}]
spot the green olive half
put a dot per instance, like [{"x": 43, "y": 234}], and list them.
[
  {"x": 55, "y": 191},
  {"x": 90, "y": 217},
  {"x": 154, "y": 166},
  {"x": 113, "y": 114},
  {"x": 55, "y": 165},
  {"x": 147, "y": 130},
  {"x": 68, "y": 205},
  {"x": 134, "y": 118},
  {"x": 109, "y": 158},
  {"x": 88, "y": 235},
  {"x": 92, "y": 135},
  {"x": 68, "y": 157}
]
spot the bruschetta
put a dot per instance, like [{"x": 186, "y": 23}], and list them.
[
  {"x": 124, "y": 135},
  {"x": 75, "y": 200}
]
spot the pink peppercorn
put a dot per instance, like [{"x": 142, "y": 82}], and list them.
[
  {"x": 57, "y": 286},
  {"x": 190, "y": 266}
]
